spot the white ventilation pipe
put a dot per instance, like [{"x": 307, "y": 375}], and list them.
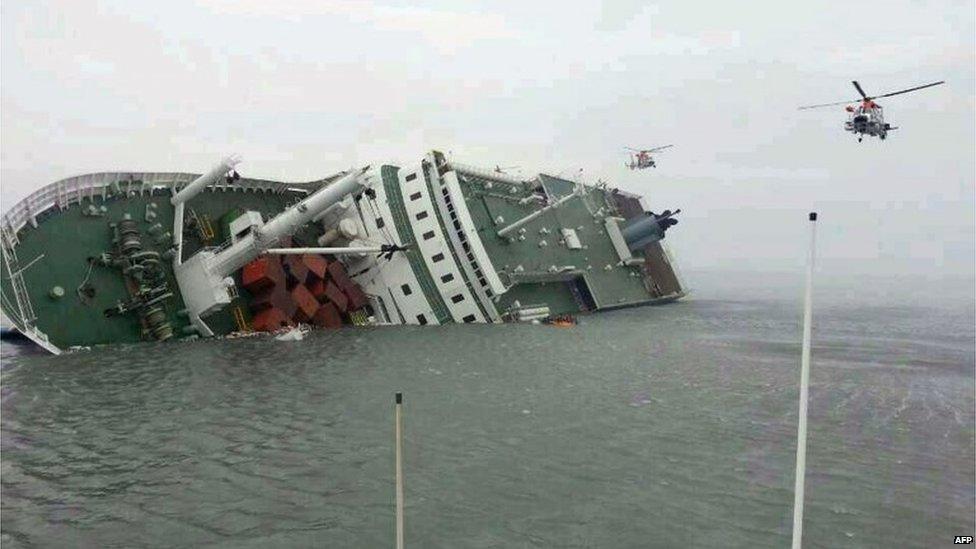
[
  {"x": 192, "y": 189},
  {"x": 485, "y": 173},
  {"x": 342, "y": 250},
  {"x": 285, "y": 224},
  {"x": 534, "y": 215},
  {"x": 209, "y": 178}
]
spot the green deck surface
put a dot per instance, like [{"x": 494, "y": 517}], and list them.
[
  {"x": 610, "y": 288},
  {"x": 67, "y": 238}
]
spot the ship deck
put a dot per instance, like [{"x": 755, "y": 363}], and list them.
[
  {"x": 56, "y": 252},
  {"x": 617, "y": 287}
]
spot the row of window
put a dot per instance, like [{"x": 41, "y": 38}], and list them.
[
  {"x": 436, "y": 258},
  {"x": 464, "y": 241},
  {"x": 407, "y": 290},
  {"x": 422, "y": 320}
]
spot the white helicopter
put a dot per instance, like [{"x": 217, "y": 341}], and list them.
[
  {"x": 868, "y": 117},
  {"x": 641, "y": 158}
]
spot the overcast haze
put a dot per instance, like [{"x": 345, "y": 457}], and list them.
[{"x": 305, "y": 88}]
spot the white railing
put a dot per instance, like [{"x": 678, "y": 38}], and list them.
[
  {"x": 21, "y": 312},
  {"x": 24, "y": 312},
  {"x": 73, "y": 190}
]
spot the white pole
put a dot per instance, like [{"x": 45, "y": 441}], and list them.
[
  {"x": 178, "y": 234},
  {"x": 342, "y": 250},
  {"x": 399, "y": 470},
  {"x": 801, "y": 429},
  {"x": 504, "y": 231},
  {"x": 193, "y": 188},
  {"x": 284, "y": 224}
]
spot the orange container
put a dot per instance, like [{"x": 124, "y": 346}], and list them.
[
  {"x": 338, "y": 275},
  {"x": 276, "y": 297},
  {"x": 270, "y": 320},
  {"x": 306, "y": 304},
  {"x": 327, "y": 317},
  {"x": 357, "y": 298},
  {"x": 262, "y": 273},
  {"x": 295, "y": 269},
  {"x": 317, "y": 287},
  {"x": 335, "y": 295},
  {"x": 316, "y": 264}
]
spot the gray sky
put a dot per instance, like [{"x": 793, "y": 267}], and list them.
[{"x": 303, "y": 88}]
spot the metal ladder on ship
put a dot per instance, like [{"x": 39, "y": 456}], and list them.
[
  {"x": 239, "y": 319},
  {"x": 204, "y": 226},
  {"x": 12, "y": 266},
  {"x": 207, "y": 228}
]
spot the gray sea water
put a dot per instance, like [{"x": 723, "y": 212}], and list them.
[{"x": 670, "y": 426}]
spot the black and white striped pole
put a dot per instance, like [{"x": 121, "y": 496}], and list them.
[
  {"x": 801, "y": 429},
  {"x": 398, "y": 417}
]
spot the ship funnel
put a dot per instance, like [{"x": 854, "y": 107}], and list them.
[{"x": 648, "y": 228}]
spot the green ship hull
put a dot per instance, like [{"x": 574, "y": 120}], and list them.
[{"x": 68, "y": 280}]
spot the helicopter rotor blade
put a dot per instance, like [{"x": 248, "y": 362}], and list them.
[
  {"x": 659, "y": 148},
  {"x": 828, "y": 104},
  {"x": 909, "y": 90},
  {"x": 859, "y": 90}
]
